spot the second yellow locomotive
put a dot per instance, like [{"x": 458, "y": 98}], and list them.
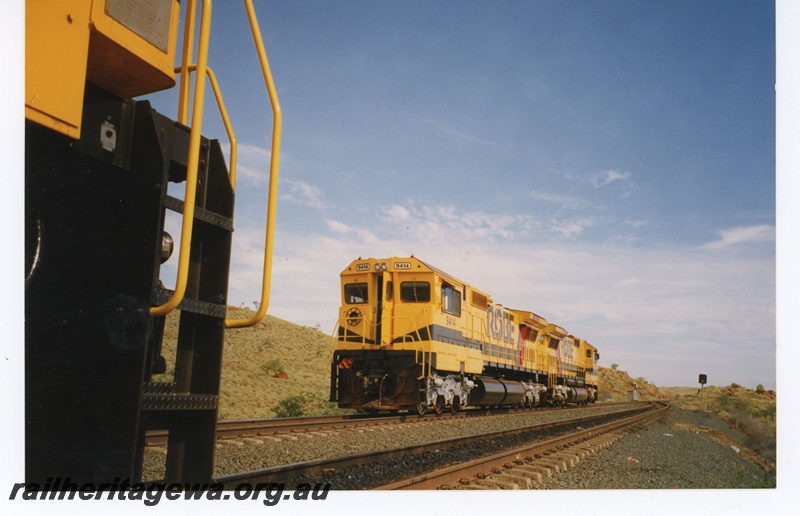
[{"x": 412, "y": 337}]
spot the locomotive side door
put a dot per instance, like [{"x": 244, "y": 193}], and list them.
[{"x": 384, "y": 316}]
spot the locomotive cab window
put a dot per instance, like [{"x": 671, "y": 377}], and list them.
[
  {"x": 451, "y": 300},
  {"x": 355, "y": 293},
  {"x": 415, "y": 292}
]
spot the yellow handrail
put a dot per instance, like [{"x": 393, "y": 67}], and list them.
[
  {"x": 273, "y": 174},
  {"x": 186, "y": 58},
  {"x": 223, "y": 113},
  {"x": 192, "y": 163}
]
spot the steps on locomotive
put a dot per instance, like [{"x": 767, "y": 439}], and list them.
[{"x": 165, "y": 396}]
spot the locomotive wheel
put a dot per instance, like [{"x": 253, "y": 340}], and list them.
[
  {"x": 438, "y": 407},
  {"x": 422, "y": 409},
  {"x": 454, "y": 408}
]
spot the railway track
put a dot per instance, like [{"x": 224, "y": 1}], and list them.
[
  {"x": 297, "y": 425},
  {"x": 265, "y": 427},
  {"x": 406, "y": 467},
  {"x": 518, "y": 468}
]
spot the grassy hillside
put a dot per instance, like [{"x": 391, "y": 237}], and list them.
[
  {"x": 265, "y": 364},
  {"x": 615, "y": 384},
  {"x": 750, "y": 412}
]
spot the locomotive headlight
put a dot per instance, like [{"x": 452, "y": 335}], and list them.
[
  {"x": 167, "y": 246},
  {"x": 382, "y": 266}
]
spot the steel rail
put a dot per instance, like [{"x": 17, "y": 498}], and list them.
[
  {"x": 259, "y": 427},
  {"x": 462, "y": 473},
  {"x": 286, "y": 473}
]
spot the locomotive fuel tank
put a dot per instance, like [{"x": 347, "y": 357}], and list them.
[
  {"x": 577, "y": 395},
  {"x": 492, "y": 391}
]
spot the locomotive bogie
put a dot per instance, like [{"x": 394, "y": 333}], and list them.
[{"x": 448, "y": 391}]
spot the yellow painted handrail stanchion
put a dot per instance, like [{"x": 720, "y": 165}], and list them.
[
  {"x": 186, "y": 58},
  {"x": 228, "y": 127},
  {"x": 191, "y": 166},
  {"x": 273, "y": 174},
  {"x": 223, "y": 113}
]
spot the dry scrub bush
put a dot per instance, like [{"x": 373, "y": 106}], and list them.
[{"x": 305, "y": 404}]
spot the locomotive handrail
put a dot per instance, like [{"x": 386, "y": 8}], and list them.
[
  {"x": 186, "y": 59},
  {"x": 194, "y": 148},
  {"x": 223, "y": 113},
  {"x": 421, "y": 350},
  {"x": 202, "y": 70},
  {"x": 277, "y": 123}
]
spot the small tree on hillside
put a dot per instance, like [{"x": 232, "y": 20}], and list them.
[
  {"x": 614, "y": 366},
  {"x": 272, "y": 367}
]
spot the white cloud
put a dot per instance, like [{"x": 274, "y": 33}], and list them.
[
  {"x": 338, "y": 227},
  {"x": 458, "y": 133},
  {"x": 343, "y": 229},
  {"x": 566, "y": 201},
  {"x": 396, "y": 213},
  {"x": 572, "y": 227},
  {"x": 607, "y": 177},
  {"x": 447, "y": 224},
  {"x": 252, "y": 162},
  {"x": 665, "y": 314},
  {"x": 742, "y": 235},
  {"x": 303, "y": 193}
]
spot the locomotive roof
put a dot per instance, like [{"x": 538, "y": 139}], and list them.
[{"x": 433, "y": 269}]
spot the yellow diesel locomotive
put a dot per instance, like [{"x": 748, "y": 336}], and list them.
[{"x": 413, "y": 337}]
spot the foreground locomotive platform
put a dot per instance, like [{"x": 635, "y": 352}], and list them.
[{"x": 686, "y": 449}]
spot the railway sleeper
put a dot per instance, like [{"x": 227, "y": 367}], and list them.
[
  {"x": 517, "y": 478},
  {"x": 570, "y": 459},
  {"x": 536, "y": 473},
  {"x": 496, "y": 481},
  {"x": 557, "y": 465},
  {"x": 522, "y": 476},
  {"x": 580, "y": 451}
]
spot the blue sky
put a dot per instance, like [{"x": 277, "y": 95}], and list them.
[{"x": 607, "y": 165}]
